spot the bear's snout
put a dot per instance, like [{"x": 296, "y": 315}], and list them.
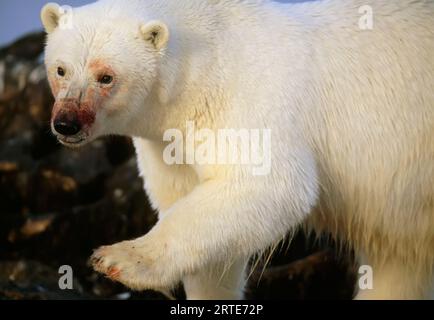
[
  {"x": 72, "y": 120},
  {"x": 67, "y": 123}
]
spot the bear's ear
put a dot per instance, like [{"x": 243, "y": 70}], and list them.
[
  {"x": 156, "y": 33},
  {"x": 50, "y": 16}
]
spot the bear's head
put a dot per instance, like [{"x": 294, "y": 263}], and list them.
[{"x": 101, "y": 70}]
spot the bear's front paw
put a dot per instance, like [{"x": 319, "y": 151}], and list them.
[{"x": 140, "y": 264}]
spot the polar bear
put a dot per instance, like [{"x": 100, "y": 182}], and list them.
[{"x": 350, "y": 107}]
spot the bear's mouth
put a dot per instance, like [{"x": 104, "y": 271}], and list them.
[{"x": 72, "y": 142}]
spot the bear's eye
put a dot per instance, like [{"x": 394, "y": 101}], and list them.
[
  {"x": 60, "y": 72},
  {"x": 105, "y": 79}
]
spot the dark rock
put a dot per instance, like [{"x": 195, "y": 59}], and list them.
[{"x": 29, "y": 47}]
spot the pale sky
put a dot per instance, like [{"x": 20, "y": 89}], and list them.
[{"x": 18, "y": 17}]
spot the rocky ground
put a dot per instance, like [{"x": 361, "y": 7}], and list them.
[{"x": 57, "y": 205}]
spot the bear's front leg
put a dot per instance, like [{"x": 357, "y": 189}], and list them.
[
  {"x": 220, "y": 220},
  {"x": 217, "y": 282}
]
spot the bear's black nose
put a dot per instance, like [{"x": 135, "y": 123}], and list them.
[{"x": 67, "y": 124}]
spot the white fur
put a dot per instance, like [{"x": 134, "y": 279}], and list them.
[{"x": 352, "y": 119}]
